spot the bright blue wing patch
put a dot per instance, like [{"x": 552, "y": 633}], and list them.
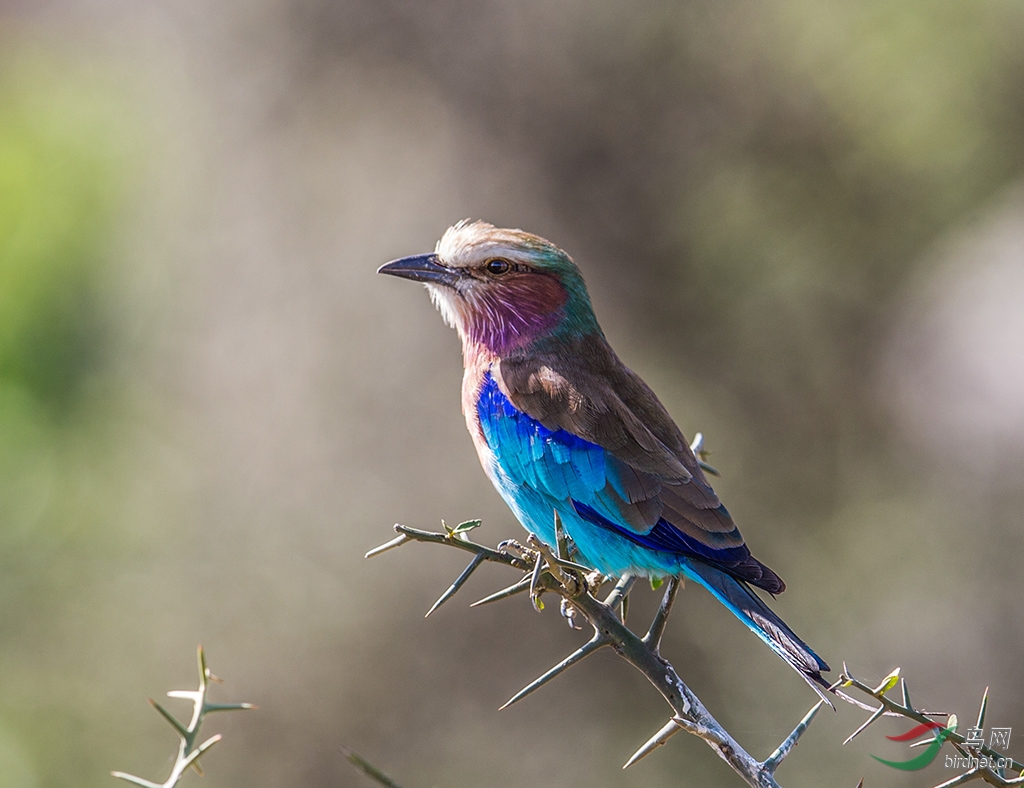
[
  {"x": 555, "y": 463},
  {"x": 566, "y": 469}
]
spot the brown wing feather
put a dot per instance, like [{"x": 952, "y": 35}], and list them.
[
  {"x": 584, "y": 389},
  {"x": 587, "y": 391}
]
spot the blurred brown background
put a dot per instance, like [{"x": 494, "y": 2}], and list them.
[{"x": 802, "y": 223}]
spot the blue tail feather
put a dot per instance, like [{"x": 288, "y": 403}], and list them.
[{"x": 756, "y": 615}]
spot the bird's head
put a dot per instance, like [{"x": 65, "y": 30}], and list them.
[{"x": 503, "y": 290}]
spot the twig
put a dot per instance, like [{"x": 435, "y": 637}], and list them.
[
  {"x": 459, "y": 581},
  {"x": 890, "y": 708},
  {"x": 595, "y": 643},
  {"x": 368, "y": 768},
  {"x": 671, "y": 728},
  {"x": 772, "y": 762},
  {"x": 653, "y": 637},
  {"x": 188, "y": 752},
  {"x": 546, "y": 572}
]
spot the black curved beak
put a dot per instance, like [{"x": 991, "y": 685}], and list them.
[{"x": 422, "y": 268}]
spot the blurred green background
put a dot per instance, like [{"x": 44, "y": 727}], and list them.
[{"x": 802, "y": 223}]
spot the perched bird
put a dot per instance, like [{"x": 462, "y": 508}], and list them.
[{"x": 562, "y": 425}]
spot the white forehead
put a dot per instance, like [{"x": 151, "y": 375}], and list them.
[{"x": 468, "y": 243}]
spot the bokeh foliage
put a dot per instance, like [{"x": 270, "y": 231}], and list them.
[
  {"x": 58, "y": 197},
  {"x": 63, "y": 143},
  {"x": 60, "y": 184}
]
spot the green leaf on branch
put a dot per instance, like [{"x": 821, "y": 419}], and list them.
[{"x": 466, "y": 526}]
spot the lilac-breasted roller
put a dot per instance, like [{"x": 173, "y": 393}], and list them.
[{"x": 562, "y": 425}]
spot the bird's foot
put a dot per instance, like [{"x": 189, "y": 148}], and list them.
[
  {"x": 509, "y": 545},
  {"x": 568, "y": 612},
  {"x": 594, "y": 581},
  {"x": 574, "y": 579},
  {"x": 570, "y": 576}
]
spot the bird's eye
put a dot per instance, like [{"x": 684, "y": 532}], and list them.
[{"x": 497, "y": 266}]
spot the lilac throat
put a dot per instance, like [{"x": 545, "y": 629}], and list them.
[{"x": 516, "y": 313}]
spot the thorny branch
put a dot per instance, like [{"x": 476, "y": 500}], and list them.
[
  {"x": 577, "y": 586},
  {"x": 545, "y": 572},
  {"x": 983, "y": 756},
  {"x": 188, "y": 751}
]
